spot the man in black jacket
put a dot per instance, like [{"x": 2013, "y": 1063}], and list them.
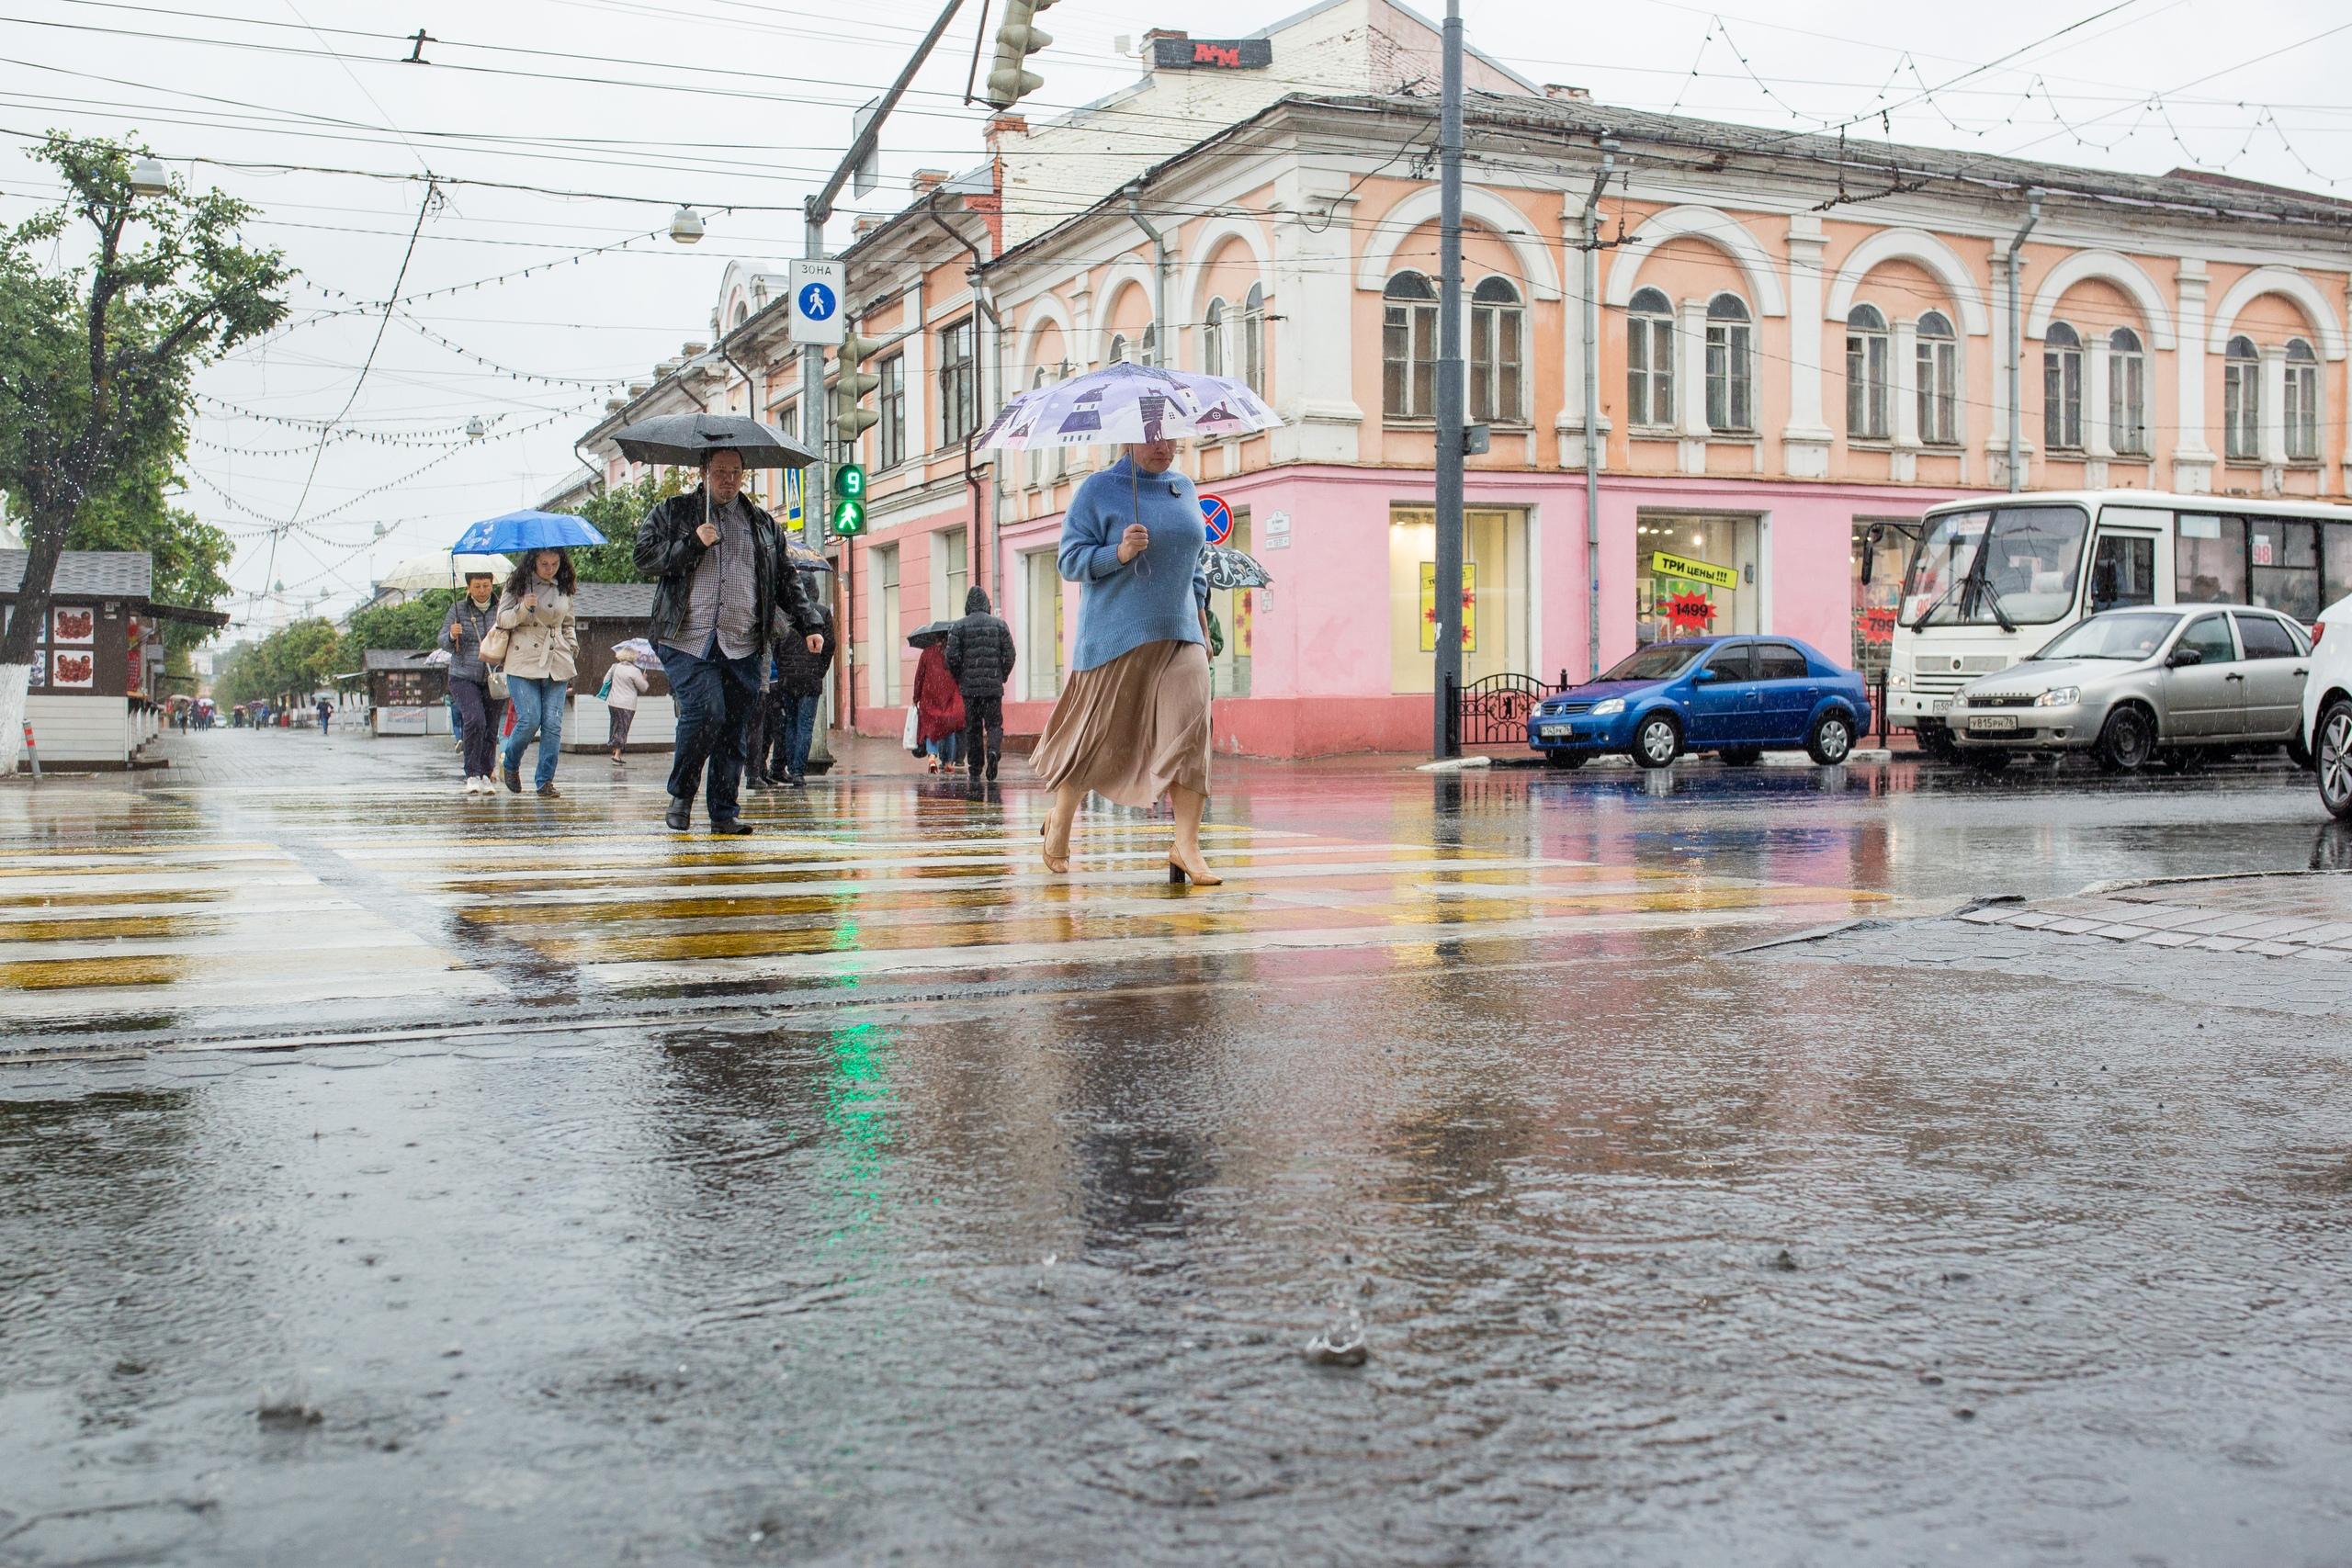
[
  {"x": 979, "y": 655},
  {"x": 723, "y": 583},
  {"x": 796, "y": 692}
]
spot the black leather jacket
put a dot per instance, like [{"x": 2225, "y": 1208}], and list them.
[{"x": 668, "y": 551}]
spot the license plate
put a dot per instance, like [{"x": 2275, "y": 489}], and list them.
[
  {"x": 1941, "y": 704},
  {"x": 1558, "y": 732},
  {"x": 1988, "y": 724}
]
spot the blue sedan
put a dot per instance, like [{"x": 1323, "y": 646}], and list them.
[{"x": 1736, "y": 697}]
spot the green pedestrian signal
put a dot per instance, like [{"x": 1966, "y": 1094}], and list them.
[
  {"x": 849, "y": 517},
  {"x": 849, "y": 482}
]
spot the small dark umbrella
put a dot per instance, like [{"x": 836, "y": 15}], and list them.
[
  {"x": 688, "y": 438},
  {"x": 1228, "y": 568},
  {"x": 923, "y": 636}
]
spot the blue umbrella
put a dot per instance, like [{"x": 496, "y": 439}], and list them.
[{"x": 526, "y": 531}]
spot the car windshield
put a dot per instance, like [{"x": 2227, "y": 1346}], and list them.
[
  {"x": 1974, "y": 568},
  {"x": 2136, "y": 634},
  {"x": 1661, "y": 662}
]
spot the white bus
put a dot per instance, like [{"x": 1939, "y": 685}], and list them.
[{"x": 1992, "y": 579}]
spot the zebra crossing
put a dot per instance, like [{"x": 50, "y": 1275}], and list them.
[{"x": 367, "y": 912}]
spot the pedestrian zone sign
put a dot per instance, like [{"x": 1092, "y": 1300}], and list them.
[
  {"x": 817, "y": 302},
  {"x": 796, "y": 515}
]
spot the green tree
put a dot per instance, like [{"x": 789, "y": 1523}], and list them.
[
  {"x": 96, "y": 357},
  {"x": 414, "y": 624},
  {"x": 285, "y": 666},
  {"x": 615, "y": 514},
  {"x": 135, "y": 514}
]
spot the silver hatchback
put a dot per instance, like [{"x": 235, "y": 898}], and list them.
[{"x": 2130, "y": 685}]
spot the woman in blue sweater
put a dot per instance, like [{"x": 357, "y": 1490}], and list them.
[{"x": 1133, "y": 723}]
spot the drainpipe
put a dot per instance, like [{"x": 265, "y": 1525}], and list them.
[
  {"x": 980, "y": 302},
  {"x": 1592, "y": 405},
  {"x": 1166, "y": 332},
  {"x": 2016, "y": 339}
]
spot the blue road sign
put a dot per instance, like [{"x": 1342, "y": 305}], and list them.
[
  {"x": 1217, "y": 518},
  {"x": 816, "y": 302}
]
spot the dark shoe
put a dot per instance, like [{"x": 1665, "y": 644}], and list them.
[
  {"x": 733, "y": 828},
  {"x": 514, "y": 778},
  {"x": 759, "y": 781},
  {"x": 549, "y": 792},
  {"x": 993, "y": 757},
  {"x": 680, "y": 816},
  {"x": 794, "y": 781}
]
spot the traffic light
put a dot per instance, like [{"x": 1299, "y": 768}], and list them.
[
  {"x": 1009, "y": 80},
  {"x": 848, "y": 499},
  {"x": 849, "y": 517},
  {"x": 850, "y": 383}
]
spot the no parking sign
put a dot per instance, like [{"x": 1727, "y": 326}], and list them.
[{"x": 1217, "y": 518}]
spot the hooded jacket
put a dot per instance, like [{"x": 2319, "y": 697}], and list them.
[
  {"x": 979, "y": 648},
  {"x": 668, "y": 551},
  {"x": 798, "y": 672}
]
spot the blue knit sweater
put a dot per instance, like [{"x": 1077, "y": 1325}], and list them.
[{"x": 1157, "y": 597}]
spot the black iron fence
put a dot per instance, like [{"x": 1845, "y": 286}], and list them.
[{"x": 1493, "y": 710}]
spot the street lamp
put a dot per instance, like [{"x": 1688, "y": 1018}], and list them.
[
  {"x": 476, "y": 429},
  {"x": 685, "y": 226},
  {"x": 147, "y": 178}
]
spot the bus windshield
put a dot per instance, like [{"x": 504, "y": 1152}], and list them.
[{"x": 1995, "y": 565}]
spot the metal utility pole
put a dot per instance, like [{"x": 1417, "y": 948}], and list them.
[
  {"x": 816, "y": 483},
  {"x": 1451, "y": 433}
]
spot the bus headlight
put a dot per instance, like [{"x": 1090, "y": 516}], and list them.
[{"x": 1898, "y": 679}]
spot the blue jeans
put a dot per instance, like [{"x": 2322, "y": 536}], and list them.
[
  {"x": 799, "y": 731},
  {"x": 539, "y": 710},
  {"x": 716, "y": 697},
  {"x": 948, "y": 748}
]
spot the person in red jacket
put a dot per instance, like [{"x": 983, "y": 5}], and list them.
[{"x": 939, "y": 708}]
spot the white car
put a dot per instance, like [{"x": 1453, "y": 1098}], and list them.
[{"x": 2327, "y": 708}]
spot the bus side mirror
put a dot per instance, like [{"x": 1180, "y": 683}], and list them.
[
  {"x": 1869, "y": 553},
  {"x": 2181, "y": 656}
]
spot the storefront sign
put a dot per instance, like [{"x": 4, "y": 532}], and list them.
[
  {"x": 1663, "y": 564},
  {"x": 1212, "y": 54},
  {"x": 1469, "y": 607}
]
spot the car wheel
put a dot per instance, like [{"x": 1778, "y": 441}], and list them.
[
  {"x": 1657, "y": 740},
  {"x": 1564, "y": 760},
  {"x": 2125, "y": 742},
  {"x": 2335, "y": 758},
  {"x": 1832, "y": 740},
  {"x": 1937, "y": 743},
  {"x": 1741, "y": 756},
  {"x": 1984, "y": 761}
]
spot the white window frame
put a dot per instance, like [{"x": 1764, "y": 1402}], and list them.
[
  {"x": 2127, "y": 393},
  {"x": 2241, "y": 401},
  {"x": 1411, "y": 320},
  {"x": 2303, "y": 403},
  {"x": 1498, "y": 375},
  {"x": 1649, "y": 361},
  {"x": 1731, "y": 367},
  {"x": 2062, "y": 389},
  {"x": 1869, "y": 392},
  {"x": 1937, "y": 351}
]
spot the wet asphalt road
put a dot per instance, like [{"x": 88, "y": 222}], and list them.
[{"x": 1662, "y": 1255}]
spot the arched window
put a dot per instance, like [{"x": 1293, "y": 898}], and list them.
[
  {"x": 2127, "y": 393},
  {"x": 1731, "y": 359},
  {"x": 1253, "y": 338},
  {"x": 1409, "y": 347},
  {"x": 1212, "y": 338},
  {"x": 2303, "y": 403},
  {"x": 1118, "y": 348},
  {"x": 1866, "y": 357},
  {"x": 1649, "y": 359},
  {"x": 1498, "y": 352},
  {"x": 2062, "y": 389},
  {"x": 2242, "y": 400},
  {"x": 1148, "y": 352},
  {"x": 1938, "y": 377},
  {"x": 1037, "y": 454}
]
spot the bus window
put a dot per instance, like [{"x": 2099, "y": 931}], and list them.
[
  {"x": 2123, "y": 572},
  {"x": 2284, "y": 557},
  {"x": 2208, "y": 560},
  {"x": 2335, "y": 562}
]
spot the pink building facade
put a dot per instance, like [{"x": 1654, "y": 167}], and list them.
[{"x": 1782, "y": 369}]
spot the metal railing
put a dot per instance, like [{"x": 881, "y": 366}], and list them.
[{"x": 1494, "y": 709}]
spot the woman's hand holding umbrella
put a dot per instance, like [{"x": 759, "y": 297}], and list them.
[{"x": 1133, "y": 542}]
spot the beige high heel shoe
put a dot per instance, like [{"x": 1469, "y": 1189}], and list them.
[
  {"x": 1060, "y": 864},
  {"x": 1180, "y": 873}
]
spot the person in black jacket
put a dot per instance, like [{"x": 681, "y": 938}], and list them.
[
  {"x": 723, "y": 581},
  {"x": 979, "y": 655},
  {"x": 796, "y": 692}
]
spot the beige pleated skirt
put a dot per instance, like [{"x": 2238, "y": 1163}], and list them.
[{"x": 1129, "y": 729}]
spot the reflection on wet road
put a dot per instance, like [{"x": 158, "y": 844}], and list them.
[{"x": 857, "y": 1194}]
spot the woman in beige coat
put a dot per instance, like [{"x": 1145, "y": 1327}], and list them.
[{"x": 542, "y": 655}]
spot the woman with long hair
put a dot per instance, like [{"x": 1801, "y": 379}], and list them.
[
  {"x": 1133, "y": 724},
  {"x": 542, "y": 655}
]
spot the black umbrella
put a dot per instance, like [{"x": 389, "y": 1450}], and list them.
[
  {"x": 687, "y": 438},
  {"x": 923, "y": 636}
]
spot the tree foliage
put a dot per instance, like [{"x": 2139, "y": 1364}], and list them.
[
  {"x": 617, "y": 513},
  {"x": 96, "y": 356},
  {"x": 286, "y": 666},
  {"x": 410, "y": 626}
]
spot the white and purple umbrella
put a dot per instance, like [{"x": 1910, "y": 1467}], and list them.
[{"x": 1124, "y": 402}]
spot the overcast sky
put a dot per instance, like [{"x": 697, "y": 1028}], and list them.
[{"x": 747, "y": 102}]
